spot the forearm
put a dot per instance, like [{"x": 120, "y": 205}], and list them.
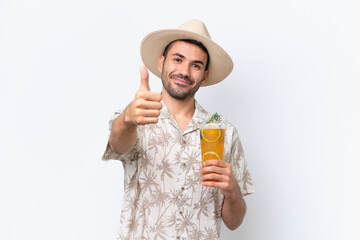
[
  {"x": 144, "y": 109},
  {"x": 123, "y": 135},
  {"x": 233, "y": 210}
]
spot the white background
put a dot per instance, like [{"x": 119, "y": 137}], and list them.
[{"x": 66, "y": 66}]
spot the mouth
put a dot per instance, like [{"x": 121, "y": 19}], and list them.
[{"x": 181, "y": 80}]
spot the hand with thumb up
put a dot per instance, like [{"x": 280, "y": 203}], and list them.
[{"x": 145, "y": 108}]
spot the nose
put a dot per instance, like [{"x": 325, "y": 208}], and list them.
[{"x": 184, "y": 69}]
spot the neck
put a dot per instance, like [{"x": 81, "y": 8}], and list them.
[{"x": 182, "y": 110}]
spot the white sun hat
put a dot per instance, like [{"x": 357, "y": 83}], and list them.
[{"x": 153, "y": 46}]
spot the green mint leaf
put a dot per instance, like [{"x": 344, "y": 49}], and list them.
[{"x": 215, "y": 118}]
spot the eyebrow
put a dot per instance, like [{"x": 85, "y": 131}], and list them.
[{"x": 182, "y": 56}]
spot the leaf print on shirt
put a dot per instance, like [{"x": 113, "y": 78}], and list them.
[
  {"x": 210, "y": 233},
  {"x": 150, "y": 129},
  {"x": 177, "y": 158},
  {"x": 158, "y": 197},
  {"x": 153, "y": 144},
  {"x": 179, "y": 199},
  {"x": 145, "y": 208},
  {"x": 133, "y": 185},
  {"x": 175, "y": 196},
  {"x": 192, "y": 161},
  {"x": 247, "y": 178},
  {"x": 185, "y": 222},
  {"x": 172, "y": 219},
  {"x": 202, "y": 208},
  {"x": 195, "y": 234},
  {"x": 187, "y": 143},
  {"x": 165, "y": 168},
  {"x": 192, "y": 182},
  {"x": 163, "y": 138},
  {"x": 212, "y": 194},
  {"x": 183, "y": 200},
  {"x": 160, "y": 231},
  {"x": 132, "y": 225},
  {"x": 129, "y": 205},
  {"x": 148, "y": 181},
  {"x": 176, "y": 137},
  {"x": 146, "y": 159}
]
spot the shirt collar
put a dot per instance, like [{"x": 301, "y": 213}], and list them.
[
  {"x": 164, "y": 112},
  {"x": 199, "y": 118}
]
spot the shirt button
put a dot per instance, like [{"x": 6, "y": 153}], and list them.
[
  {"x": 182, "y": 188},
  {"x": 181, "y": 212},
  {"x": 177, "y": 237},
  {"x": 184, "y": 164}
]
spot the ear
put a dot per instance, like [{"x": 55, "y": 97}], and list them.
[
  {"x": 206, "y": 74},
  {"x": 160, "y": 63}
]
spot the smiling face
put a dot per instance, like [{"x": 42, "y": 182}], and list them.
[{"x": 183, "y": 69}]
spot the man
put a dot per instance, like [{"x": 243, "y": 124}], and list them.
[{"x": 168, "y": 193}]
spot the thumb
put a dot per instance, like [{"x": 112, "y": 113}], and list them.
[{"x": 144, "y": 74}]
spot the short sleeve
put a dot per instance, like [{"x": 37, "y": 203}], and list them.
[
  {"x": 239, "y": 166},
  {"x": 110, "y": 154}
]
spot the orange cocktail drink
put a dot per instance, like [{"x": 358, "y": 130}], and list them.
[{"x": 212, "y": 139}]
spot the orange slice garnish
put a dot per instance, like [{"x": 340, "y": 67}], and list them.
[
  {"x": 211, "y": 132},
  {"x": 210, "y": 155}
]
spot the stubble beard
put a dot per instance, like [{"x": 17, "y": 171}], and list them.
[{"x": 176, "y": 92}]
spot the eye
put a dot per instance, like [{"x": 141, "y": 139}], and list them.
[
  {"x": 197, "y": 66},
  {"x": 178, "y": 60}
]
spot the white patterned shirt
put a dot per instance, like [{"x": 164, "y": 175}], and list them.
[{"x": 164, "y": 198}]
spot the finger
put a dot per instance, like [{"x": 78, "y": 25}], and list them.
[
  {"x": 212, "y": 180},
  {"x": 149, "y": 105},
  {"x": 148, "y": 113},
  {"x": 144, "y": 75},
  {"x": 212, "y": 169},
  {"x": 217, "y": 169},
  {"x": 147, "y": 120},
  {"x": 213, "y": 183},
  {"x": 212, "y": 177},
  {"x": 147, "y": 95},
  {"x": 216, "y": 162}
]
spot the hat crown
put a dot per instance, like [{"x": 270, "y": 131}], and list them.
[{"x": 195, "y": 26}]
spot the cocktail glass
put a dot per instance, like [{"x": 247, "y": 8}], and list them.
[{"x": 212, "y": 137}]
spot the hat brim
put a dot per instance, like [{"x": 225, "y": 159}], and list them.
[{"x": 153, "y": 46}]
